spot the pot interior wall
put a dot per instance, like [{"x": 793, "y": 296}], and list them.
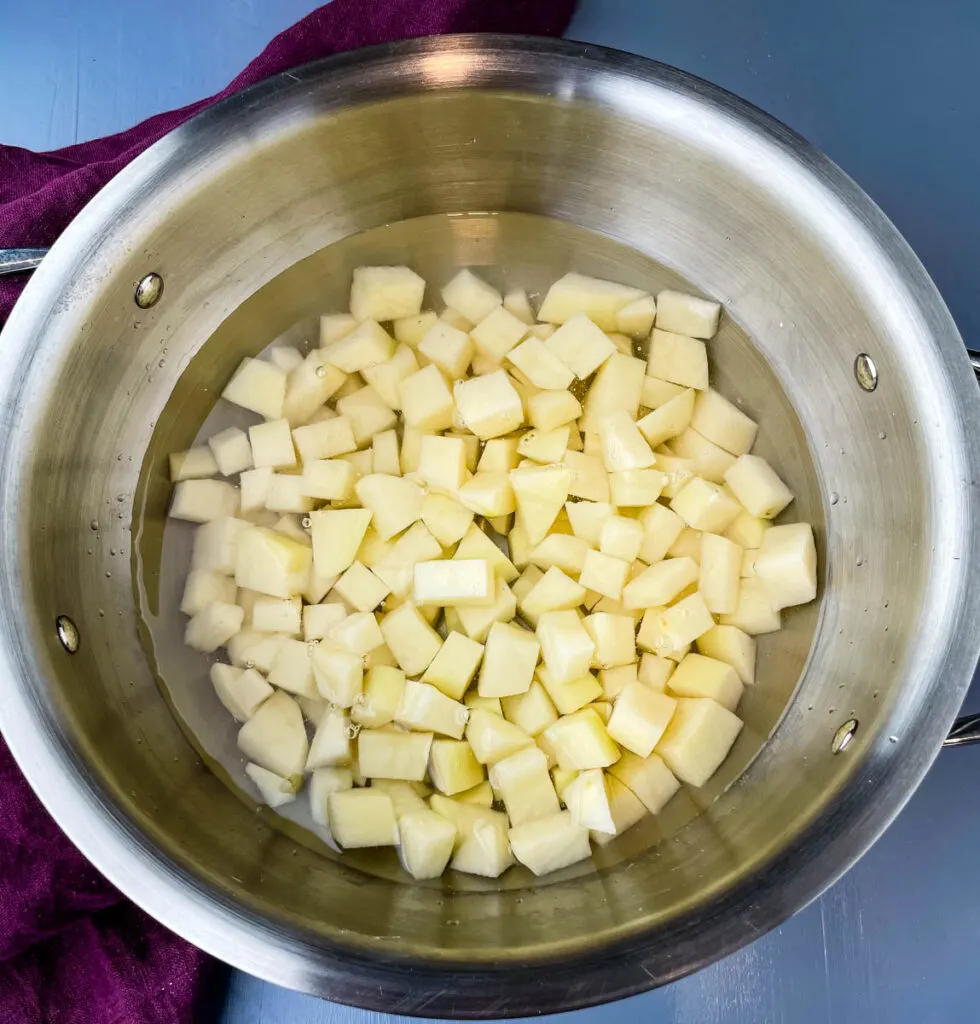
[{"x": 258, "y": 232}]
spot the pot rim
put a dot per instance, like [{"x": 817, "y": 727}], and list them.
[{"x": 759, "y": 900}]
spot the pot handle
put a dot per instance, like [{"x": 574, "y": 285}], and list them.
[
  {"x": 18, "y": 261},
  {"x": 965, "y": 730}
]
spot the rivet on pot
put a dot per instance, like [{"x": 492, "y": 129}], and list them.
[
  {"x": 68, "y": 633},
  {"x": 148, "y": 291},
  {"x": 866, "y": 372},
  {"x": 844, "y": 735}
]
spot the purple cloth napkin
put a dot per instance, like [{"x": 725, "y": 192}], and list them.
[{"x": 72, "y": 950}]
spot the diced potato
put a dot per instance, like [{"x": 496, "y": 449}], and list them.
[
  {"x": 474, "y": 298},
  {"x": 427, "y": 402},
  {"x": 757, "y": 486},
  {"x": 425, "y": 841},
  {"x": 705, "y": 506},
  {"x": 285, "y": 494},
  {"x": 580, "y": 345},
  {"x": 576, "y": 294},
  {"x": 544, "y": 445},
  {"x": 580, "y": 741},
  {"x": 787, "y": 565},
  {"x": 747, "y": 530},
  {"x": 499, "y": 455},
  {"x": 196, "y": 464},
  {"x": 554, "y": 591},
  {"x": 524, "y": 785},
  {"x": 623, "y": 446},
  {"x": 337, "y": 534},
  {"x": 249, "y": 649},
  {"x": 687, "y": 314},
  {"x": 639, "y": 718},
  {"x": 613, "y": 681},
  {"x": 604, "y": 574},
  {"x": 661, "y": 528},
  {"x": 754, "y": 613},
  {"x": 442, "y": 462},
  {"x": 540, "y": 493},
  {"x": 486, "y": 850},
  {"x": 721, "y": 566},
  {"x": 275, "y": 790},
  {"x": 411, "y": 330},
  {"x": 566, "y": 646},
  {"x": 254, "y": 488},
  {"x": 687, "y": 545},
  {"x": 621, "y": 538},
  {"x": 323, "y": 782},
  {"x": 678, "y": 358},
  {"x": 725, "y": 424},
  {"x": 550, "y": 409},
  {"x": 477, "y": 621},
  {"x": 203, "y": 501},
  {"x": 655, "y": 671},
  {"x": 492, "y": 737},
  {"x": 403, "y": 795},
  {"x": 532, "y": 711},
  {"x": 587, "y": 518},
  {"x": 392, "y": 754},
  {"x": 367, "y": 413},
  {"x": 331, "y": 747},
  {"x": 636, "y": 488},
  {"x": 488, "y": 494},
  {"x": 213, "y": 626},
  {"x": 656, "y": 392},
  {"x": 203, "y": 587},
  {"x": 660, "y": 584},
  {"x": 324, "y": 440},
  {"x": 636, "y": 318},
  {"x": 382, "y": 694},
  {"x": 589, "y": 478},
  {"x": 327, "y": 480},
  {"x": 453, "y": 767},
  {"x": 618, "y": 386},
  {"x": 411, "y": 639},
  {"x": 369, "y": 343},
  {"x": 571, "y": 696},
  {"x": 498, "y": 332},
  {"x": 339, "y": 673},
  {"x": 257, "y": 386},
  {"x": 730, "y": 645},
  {"x": 614, "y": 639},
  {"x": 709, "y": 460},
  {"x": 362, "y": 817},
  {"x": 625, "y": 809},
  {"x": 540, "y": 365},
  {"x": 701, "y": 676},
  {"x": 454, "y": 582},
  {"x": 683, "y": 622},
  {"x": 424, "y": 708},
  {"x": 241, "y": 691},
  {"x": 588, "y": 801},
  {"x": 489, "y": 405},
  {"x": 489, "y": 704},
  {"x": 679, "y": 473},
  {"x": 446, "y": 518},
  {"x": 453, "y": 668},
  {"x": 277, "y": 615},
  {"x": 448, "y": 347},
  {"x": 275, "y": 736},
  {"x": 670, "y": 419},
  {"x": 358, "y": 632},
  {"x": 385, "y": 293},
  {"x": 454, "y": 318},
  {"x": 517, "y": 303},
  {"x": 648, "y": 778},
  {"x": 698, "y": 739},
  {"x": 548, "y": 844},
  {"x": 509, "y": 659},
  {"x": 309, "y": 386}
]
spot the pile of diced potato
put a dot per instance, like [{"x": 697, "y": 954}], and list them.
[{"x": 467, "y": 555}]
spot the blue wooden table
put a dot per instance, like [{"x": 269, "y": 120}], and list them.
[{"x": 891, "y": 90}]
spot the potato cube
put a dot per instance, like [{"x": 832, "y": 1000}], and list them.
[
  {"x": 708, "y": 459},
  {"x": 580, "y": 345},
  {"x": 367, "y": 413},
  {"x": 323, "y": 782},
  {"x": 213, "y": 626},
  {"x": 661, "y": 528},
  {"x": 442, "y": 462},
  {"x": 623, "y": 446},
  {"x": 621, "y": 538},
  {"x": 564, "y": 550},
  {"x": 488, "y": 494},
  {"x": 476, "y": 622},
  {"x": 339, "y": 672},
  {"x": 575, "y": 294},
  {"x": 655, "y": 671},
  {"x": 285, "y": 494},
  {"x": 485, "y": 850},
  {"x": 730, "y": 645},
  {"x": 275, "y": 736},
  {"x": 509, "y": 659},
  {"x": 544, "y": 446},
  {"x": 489, "y": 704},
  {"x": 547, "y": 844},
  {"x": 492, "y": 737},
  {"x": 571, "y": 696},
  {"x": 670, "y": 419},
  {"x": 359, "y": 587},
  {"x": 410, "y": 330},
  {"x": 554, "y": 591},
  {"x": 754, "y": 613},
  {"x": 723, "y": 423},
  {"x": 309, "y": 386},
  {"x": 498, "y": 332},
  {"x": 489, "y": 405},
  {"x": 687, "y": 314},
  {"x": 679, "y": 473},
  {"x": 640, "y": 717},
  {"x": 614, "y": 638},
  {"x": 721, "y": 566},
  {"x": 549, "y": 409},
  {"x": 566, "y": 647},
  {"x": 588, "y": 801},
  {"x": 446, "y": 518},
  {"x": 388, "y": 753},
  {"x": 687, "y": 545},
  {"x": 385, "y": 457},
  {"x": 540, "y": 493},
  {"x": 698, "y": 739},
  {"x": 331, "y": 747},
  {"x": 524, "y": 784},
  {"x": 411, "y": 639},
  {"x": 589, "y": 478},
  {"x": 678, "y": 358},
  {"x": 499, "y": 455},
  {"x": 195, "y": 464},
  {"x": 683, "y": 622},
  {"x": 385, "y": 293},
  {"x": 636, "y": 318},
  {"x": 700, "y": 676},
  {"x": 382, "y": 694},
  {"x": 369, "y": 343},
  {"x": 587, "y": 518},
  {"x": 656, "y": 392},
  {"x": 205, "y": 586},
  {"x": 448, "y": 348},
  {"x": 660, "y": 583},
  {"x": 604, "y": 574},
  {"x": 427, "y": 402},
  {"x": 517, "y": 303},
  {"x": 580, "y": 741},
  {"x": 532, "y": 711},
  {"x": 241, "y": 691},
  {"x": 202, "y": 501},
  {"x": 361, "y": 818},
  {"x": 540, "y": 365},
  {"x": 250, "y": 649},
  {"x": 396, "y": 567},
  {"x": 424, "y": 708},
  {"x": 757, "y": 486},
  {"x": 277, "y": 615},
  {"x": 454, "y": 582},
  {"x": 453, "y": 767},
  {"x": 636, "y": 488},
  {"x": 474, "y": 298},
  {"x": 425, "y": 842},
  {"x": 613, "y": 681},
  {"x": 625, "y": 809},
  {"x": 648, "y": 778},
  {"x": 324, "y": 440},
  {"x": 395, "y": 502},
  {"x": 787, "y": 565},
  {"x": 255, "y": 488},
  {"x": 337, "y": 534},
  {"x": 257, "y": 386},
  {"x": 618, "y": 386},
  {"x": 705, "y": 506},
  {"x": 271, "y": 563},
  {"x": 275, "y": 790}
]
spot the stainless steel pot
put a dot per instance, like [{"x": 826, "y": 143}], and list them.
[{"x": 252, "y": 215}]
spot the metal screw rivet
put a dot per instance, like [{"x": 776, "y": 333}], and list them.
[
  {"x": 844, "y": 735},
  {"x": 148, "y": 291},
  {"x": 866, "y": 372},
  {"x": 67, "y": 633}
]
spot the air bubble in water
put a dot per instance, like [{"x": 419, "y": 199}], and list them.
[
  {"x": 321, "y": 371},
  {"x": 307, "y": 522},
  {"x": 834, "y": 497}
]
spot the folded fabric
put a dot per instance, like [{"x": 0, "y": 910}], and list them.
[{"x": 72, "y": 951}]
